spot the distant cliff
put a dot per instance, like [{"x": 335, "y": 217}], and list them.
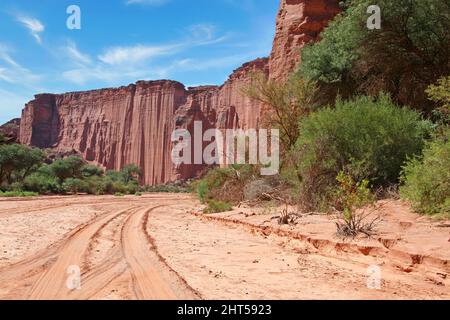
[{"x": 133, "y": 124}]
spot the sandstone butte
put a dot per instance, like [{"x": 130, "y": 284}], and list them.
[{"x": 133, "y": 124}]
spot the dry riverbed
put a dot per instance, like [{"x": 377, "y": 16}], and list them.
[{"x": 160, "y": 247}]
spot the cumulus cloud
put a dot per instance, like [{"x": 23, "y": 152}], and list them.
[{"x": 33, "y": 25}]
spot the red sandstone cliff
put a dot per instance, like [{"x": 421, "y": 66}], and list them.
[
  {"x": 10, "y": 131},
  {"x": 299, "y": 22},
  {"x": 133, "y": 124}
]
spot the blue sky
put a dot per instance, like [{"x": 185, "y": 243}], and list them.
[{"x": 120, "y": 41}]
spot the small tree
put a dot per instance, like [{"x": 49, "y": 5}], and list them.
[
  {"x": 70, "y": 167},
  {"x": 287, "y": 103},
  {"x": 73, "y": 185},
  {"x": 131, "y": 173}
]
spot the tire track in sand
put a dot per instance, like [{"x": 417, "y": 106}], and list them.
[
  {"x": 52, "y": 283},
  {"x": 146, "y": 279}
]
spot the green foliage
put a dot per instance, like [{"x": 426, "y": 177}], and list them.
[
  {"x": 17, "y": 162},
  {"x": 202, "y": 190},
  {"x": 131, "y": 173},
  {"x": 42, "y": 182},
  {"x": 215, "y": 206},
  {"x": 409, "y": 52},
  {"x": 226, "y": 184},
  {"x": 427, "y": 179},
  {"x": 119, "y": 194},
  {"x": 2, "y": 138},
  {"x": 351, "y": 195},
  {"x": 74, "y": 185},
  {"x": 289, "y": 102},
  {"x": 90, "y": 170},
  {"x": 70, "y": 167},
  {"x": 167, "y": 189},
  {"x": 11, "y": 194},
  {"x": 367, "y": 138},
  {"x": 440, "y": 94},
  {"x": 23, "y": 168}
]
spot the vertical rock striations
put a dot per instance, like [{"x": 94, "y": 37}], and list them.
[
  {"x": 133, "y": 124},
  {"x": 299, "y": 22}
]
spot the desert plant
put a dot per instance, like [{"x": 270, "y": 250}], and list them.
[
  {"x": 368, "y": 138},
  {"x": 350, "y": 199},
  {"x": 11, "y": 194},
  {"x": 440, "y": 94},
  {"x": 217, "y": 207},
  {"x": 427, "y": 179},
  {"x": 74, "y": 185},
  {"x": 288, "y": 102}
]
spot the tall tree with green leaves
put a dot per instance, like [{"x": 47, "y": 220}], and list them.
[{"x": 408, "y": 53}]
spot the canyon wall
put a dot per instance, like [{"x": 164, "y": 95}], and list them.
[
  {"x": 133, "y": 124},
  {"x": 299, "y": 22}
]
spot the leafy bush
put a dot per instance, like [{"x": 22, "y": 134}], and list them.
[
  {"x": 11, "y": 194},
  {"x": 74, "y": 185},
  {"x": 427, "y": 179},
  {"x": 90, "y": 170},
  {"x": 365, "y": 137},
  {"x": 42, "y": 182},
  {"x": 167, "y": 189},
  {"x": 119, "y": 194},
  {"x": 440, "y": 94},
  {"x": 17, "y": 162},
  {"x": 409, "y": 52},
  {"x": 226, "y": 184},
  {"x": 215, "y": 206},
  {"x": 350, "y": 198},
  {"x": 70, "y": 167}
]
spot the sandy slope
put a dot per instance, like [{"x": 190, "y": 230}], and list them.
[{"x": 158, "y": 247}]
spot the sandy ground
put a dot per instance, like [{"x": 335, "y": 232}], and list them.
[{"x": 160, "y": 247}]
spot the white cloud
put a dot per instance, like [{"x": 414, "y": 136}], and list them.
[
  {"x": 33, "y": 25},
  {"x": 147, "y": 2},
  {"x": 76, "y": 55},
  {"x": 135, "y": 54},
  {"x": 197, "y": 35},
  {"x": 13, "y": 72}
]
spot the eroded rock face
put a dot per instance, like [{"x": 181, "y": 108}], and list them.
[
  {"x": 299, "y": 22},
  {"x": 10, "y": 131},
  {"x": 133, "y": 124}
]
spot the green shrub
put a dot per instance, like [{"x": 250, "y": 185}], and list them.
[
  {"x": 202, "y": 189},
  {"x": 217, "y": 207},
  {"x": 42, "y": 182},
  {"x": 226, "y": 184},
  {"x": 365, "y": 137},
  {"x": 119, "y": 194},
  {"x": 74, "y": 185},
  {"x": 90, "y": 170},
  {"x": 167, "y": 189},
  {"x": 138, "y": 194},
  {"x": 427, "y": 179},
  {"x": 10, "y": 194}
]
